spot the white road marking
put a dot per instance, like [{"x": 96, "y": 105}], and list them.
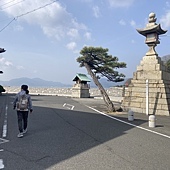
[
  {"x": 1, "y": 150},
  {"x": 3, "y": 140},
  {"x": 1, "y": 164},
  {"x": 160, "y": 134},
  {"x": 4, "y": 134},
  {"x": 69, "y": 106}
]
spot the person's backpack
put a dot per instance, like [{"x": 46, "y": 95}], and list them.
[{"x": 22, "y": 102}]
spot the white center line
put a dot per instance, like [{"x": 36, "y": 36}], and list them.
[
  {"x": 1, "y": 164},
  {"x": 4, "y": 134},
  {"x": 3, "y": 140}
]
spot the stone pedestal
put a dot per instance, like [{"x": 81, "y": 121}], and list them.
[
  {"x": 80, "y": 91},
  {"x": 152, "y": 68}
]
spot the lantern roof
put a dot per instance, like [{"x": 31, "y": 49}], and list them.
[{"x": 152, "y": 27}]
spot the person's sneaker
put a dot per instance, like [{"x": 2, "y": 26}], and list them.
[
  {"x": 20, "y": 135},
  {"x": 24, "y": 131}
]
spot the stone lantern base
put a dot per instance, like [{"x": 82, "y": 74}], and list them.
[
  {"x": 153, "y": 69},
  {"x": 80, "y": 91}
]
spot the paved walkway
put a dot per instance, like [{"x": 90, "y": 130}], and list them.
[{"x": 162, "y": 123}]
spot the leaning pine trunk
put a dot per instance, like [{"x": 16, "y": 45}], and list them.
[{"x": 106, "y": 98}]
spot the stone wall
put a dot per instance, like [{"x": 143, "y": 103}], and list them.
[{"x": 94, "y": 92}]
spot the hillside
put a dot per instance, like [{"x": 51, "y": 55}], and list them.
[
  {"x": 37, "y": 82},
  {"x": 165, "y": 58}
]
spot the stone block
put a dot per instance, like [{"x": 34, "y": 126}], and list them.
[
  {"x": 138, "y": 89},
  {"x": 149, "y": 67},
  {"x": 143, "y": 75},
  {"x": 162, "y": 112},
  {"x": 150, "y": 60},
  {"x": 135, "y": 81},
  {"x": 138, "y": 99},
  {"x": 80, "y": 92},
  {"x": 137, "y": 105},
  {"x": 138, "y": 110},
  {"x": 155, "y": 90},
  {"x": 139, "y": 68},
  {"x": 164, "y": 95}
]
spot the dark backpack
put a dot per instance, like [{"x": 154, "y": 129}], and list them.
[{"x": 22, "y": 102}]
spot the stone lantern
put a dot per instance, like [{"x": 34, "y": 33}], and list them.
[
  {"x": 151, "y": 73},
  {"x": 152, "y": 32}
]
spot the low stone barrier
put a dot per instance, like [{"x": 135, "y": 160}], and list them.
[{"x": 115, "y": 93}]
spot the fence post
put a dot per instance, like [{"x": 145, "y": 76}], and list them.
[{"x": 147, "y": 97}]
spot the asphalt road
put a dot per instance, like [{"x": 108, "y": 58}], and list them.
[{"x": 67, "y": 134}]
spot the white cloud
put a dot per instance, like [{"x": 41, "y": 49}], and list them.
[
  {"x": 8, "y": 63},
  {"x": 76, "y": 52},
  {"x": 2, "y": 60},
  {"x": 71, "y": 45},
  {"x": 74, "y": 33},
  {"x": 86, "y": 0},
  {"x": 87, "y": 35},
  {"x": 5, "y": 63},
  {"x": 120, "y": 3},
  {"x": 165, "y": 20},
  {"x": 96, "y": 11},
  {"x": 35, "y": 71},
  {"x": 167, "y": 4},
  {"x": 133, "y": 41},
  {"x": 122, "y": 22},
  {"x": 18, "y": 28},
  {"x": 20, "y": 67},
  {"x": 53, "y": 19},
  {"x": 133, "y": 23}
]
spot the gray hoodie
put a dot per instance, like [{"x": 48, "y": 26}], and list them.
[{"x": 17, "y": 97}]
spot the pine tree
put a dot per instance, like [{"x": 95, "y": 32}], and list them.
[{"x": 99, "y": 64}]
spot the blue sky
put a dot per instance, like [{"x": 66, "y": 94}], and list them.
[{"x": 43, "y": 38}]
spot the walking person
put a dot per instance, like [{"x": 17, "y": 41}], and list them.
[{"x": 23, "y": 104}]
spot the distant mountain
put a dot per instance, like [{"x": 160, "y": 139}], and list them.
[{"x": 35, "y": 82}]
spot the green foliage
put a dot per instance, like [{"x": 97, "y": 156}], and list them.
[
  {"x": 2, "y": 89},
  {"x": 101, "y": 63}
]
